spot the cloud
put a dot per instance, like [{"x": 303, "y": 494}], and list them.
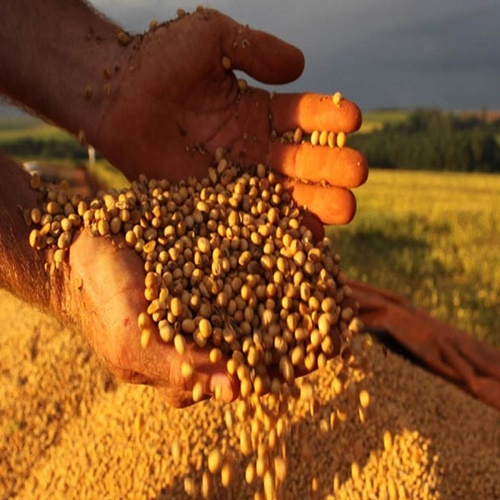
[{"x": 381, "y": 53}]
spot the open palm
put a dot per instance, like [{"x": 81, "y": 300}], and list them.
[
  {"x": 104, "y": 296},
  {"x": 177, "y": 103}
]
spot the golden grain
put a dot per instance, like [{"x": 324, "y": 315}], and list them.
[
  {"x": 297, "y": 135},
  {"x": 226, "y": 63},
  {"x": 323, "y": 138},
  {"x": 187, "y": 369},
  {"x": 364, "y": 399},
  {"x": 215, "y": 461},
  {"x": 341, "y": 139},
  {"x": 337, "y": 98},
  {"x": 314, "y": 137},
  {"x": 146, "y": 335},
  {"x": 387, "y": 438},
  {"x": 180, "y": 343},
  {"x": 198, "y": 392}
]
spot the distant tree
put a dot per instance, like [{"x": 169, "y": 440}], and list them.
[
  {"x": 433, "y": 140},
  {"x": 64, "y": 149}
]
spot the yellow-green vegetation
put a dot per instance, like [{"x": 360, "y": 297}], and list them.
[
  {"x": 29, "y": 139},
  {"x": 434, "y": 238},
  {"x": 12, "y": 129},
  {"x": 107, "y": 175},
  {"x": 375, "y": 120}
]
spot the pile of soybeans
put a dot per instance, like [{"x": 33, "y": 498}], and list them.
[
  {"x": 68, "y": 431},
  {"x": 229, "y": 264}
]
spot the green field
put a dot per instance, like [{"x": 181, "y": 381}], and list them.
[
  {"x": 11, "y": 122},
  {"x": 12, "y": 129},
  {"x": 375, "y": 120},
  {"x": 432, "y": 237}
]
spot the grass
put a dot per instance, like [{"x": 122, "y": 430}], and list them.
[
  {"x": 16, "y": 122},
  {"x": 375, "y": 120},
  {"x": 434, "y": 238},
  {"x": 108, "y": 175},
  {"x": 13, "y": 129}
]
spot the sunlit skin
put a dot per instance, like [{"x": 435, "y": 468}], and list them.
[
  {"x": 110, "y": 290},
  {"x": 203, "y": 109},
  {"x": 160, "y": 106}
]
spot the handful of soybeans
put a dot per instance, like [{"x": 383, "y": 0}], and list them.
[{"x": 228, "y": 263}]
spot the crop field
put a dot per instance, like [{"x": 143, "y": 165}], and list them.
[
  {"x": 12, "y": 129},
  {"x": 374, "y": 120},
  {"x": 433, "y": 237}
]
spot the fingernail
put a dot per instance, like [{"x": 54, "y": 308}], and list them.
[{"x": 221, "y": 388}]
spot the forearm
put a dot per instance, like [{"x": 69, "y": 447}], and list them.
[
  {"x": 60, "y": 59},
  {"x": 22, "y": 268}
]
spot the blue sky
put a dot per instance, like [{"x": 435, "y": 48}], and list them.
[{"x": 381, "y": 53}]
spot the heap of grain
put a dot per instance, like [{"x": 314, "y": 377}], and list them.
[{"x": 67, "y": 431}]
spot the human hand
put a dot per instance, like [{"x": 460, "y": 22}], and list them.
[
  {"x": 98, "y": 291},
  {"x": 176, "y": 102},
  {"x": 445, "y": 350},
  {"x": 103, "y": 295}
]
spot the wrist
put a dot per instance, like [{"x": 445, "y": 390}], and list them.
[{"x": 23, "y": 269}]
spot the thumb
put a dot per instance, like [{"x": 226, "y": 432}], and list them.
[
  {"x": 213, "y": 376},
  {"x": 262, "y": 56},
  {"x": 162, "y": 366}
]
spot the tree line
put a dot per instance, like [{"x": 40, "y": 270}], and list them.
[
  {"x": 39, "y": 149},
  {"x": 433, "y": 140}
]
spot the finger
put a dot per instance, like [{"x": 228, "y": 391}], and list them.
[
  {"x": 343, "y": 167},
  {"x": 213, "y": 376},
  {"x": 315, "y": 226},
  {"x": 176, "y": 399},
  {"x": 332, "y": 205},
  {"x": 313, "y": 112},
  {"x": 261, "y": 55},
  {"x": 161, "y": 364}
]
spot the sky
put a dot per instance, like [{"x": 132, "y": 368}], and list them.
[{"x": 379, "y": 53}]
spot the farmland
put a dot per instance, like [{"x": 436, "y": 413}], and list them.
[
  {"x": 431, "y": 237},
  {"x": 26, "y": 127},
  {"x": 375, "y": 120}
]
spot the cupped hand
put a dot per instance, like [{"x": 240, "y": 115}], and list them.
[
  {"x": 176, "y": 103},
  {"x": 104, "y": 295}
]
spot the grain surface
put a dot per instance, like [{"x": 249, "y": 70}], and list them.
[{"x": 68, "y": 431}]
